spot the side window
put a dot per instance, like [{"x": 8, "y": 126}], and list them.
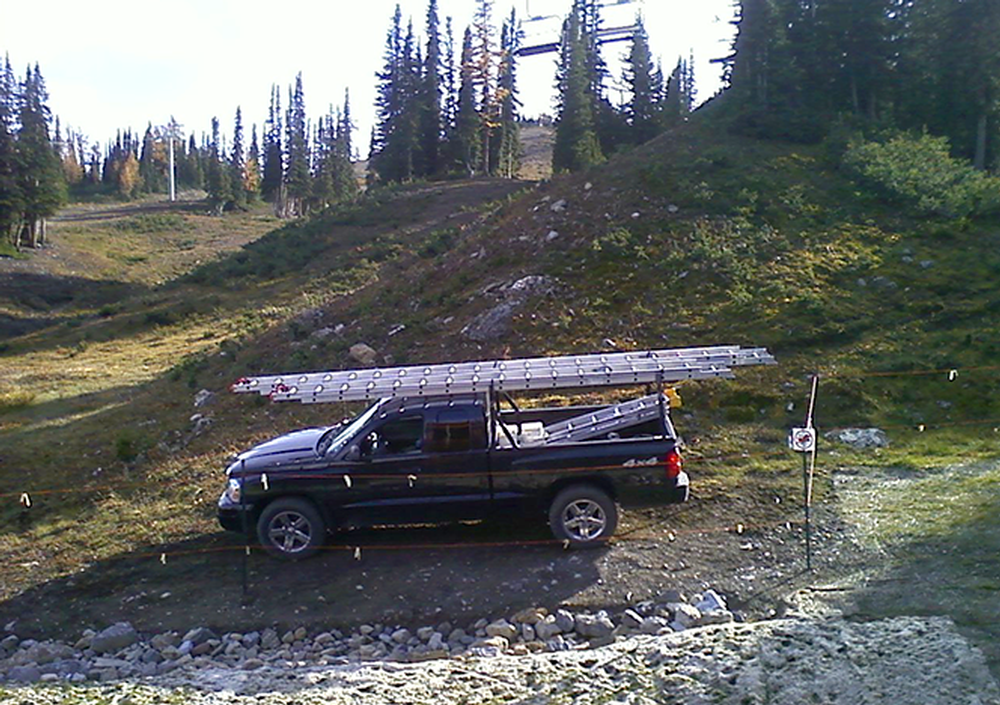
[
  {"x": 399, "y": 436},
  {"x": 454, "y": 431}
]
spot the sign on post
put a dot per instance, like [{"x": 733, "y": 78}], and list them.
[{"x": 802, "y": 440}]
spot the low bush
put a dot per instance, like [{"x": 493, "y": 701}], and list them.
[{"x": 919, "y": 171}]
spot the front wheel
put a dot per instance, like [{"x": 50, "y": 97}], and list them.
[
  {"x": 291, "y": 528},
  {"x": 583, "y": 515}
]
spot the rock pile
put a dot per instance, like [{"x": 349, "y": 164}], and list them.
[{"x": 119, "y": 652}]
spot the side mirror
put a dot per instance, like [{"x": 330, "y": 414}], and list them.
[{"x": 353, "y": 454}]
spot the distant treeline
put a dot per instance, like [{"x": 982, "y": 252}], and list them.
[
  {"x": 802, "y": 70},
  {"x": 437, "y": 116},
  {"x": 802, "y": 67}
]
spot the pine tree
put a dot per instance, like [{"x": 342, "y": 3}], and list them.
[
  {"x": 273, "y": 171},
  {"x": 484, "y": 78},
  {"x": 149, "y": 180},
  {"x": 11, "y": 200},
  {"x": 251, "y": 183},
  {"x": 217, "y": 180},
  {"x": 509, "y": 144},
  {"x": 42, "y": 186},
  {"x": 640, "y": 75},
  {"x": 576, "y": 144},
  {"x": 450, "y": 83},
  {"x": 430, "y": 97},
  {"x": 237, "y": 164},
  {"x": 345, "y": 186},
  {"x": 464, "y": 145},
  {"x": 297, "y": 174}
]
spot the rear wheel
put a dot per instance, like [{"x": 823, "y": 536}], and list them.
[
  {"x": 291, "y": 528},
  {"x": 583, "y": 515}
]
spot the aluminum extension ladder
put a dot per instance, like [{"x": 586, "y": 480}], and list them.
[{"x": 526, "y": 374}]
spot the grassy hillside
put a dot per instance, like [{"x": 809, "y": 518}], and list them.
[{"x": 696, "y": 238}]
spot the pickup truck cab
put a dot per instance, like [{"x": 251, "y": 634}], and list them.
[{"x": 447, "y": 459}]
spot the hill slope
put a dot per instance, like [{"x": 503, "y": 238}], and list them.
[{"x": 696, "y": 238}]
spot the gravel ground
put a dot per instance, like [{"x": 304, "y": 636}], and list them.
[{"x": 903, "y": 661}]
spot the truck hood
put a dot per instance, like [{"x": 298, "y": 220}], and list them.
[{"x": 298, "y": 445}]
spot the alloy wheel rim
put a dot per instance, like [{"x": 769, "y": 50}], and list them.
[
  {"x": 290, "y": 532},
  {"x": 584, "y": 520}
]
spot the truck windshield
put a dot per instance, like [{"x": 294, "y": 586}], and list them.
[{"x": 345, "y": 434}]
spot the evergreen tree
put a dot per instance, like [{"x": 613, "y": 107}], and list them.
[
  {"x": 217, "y": 181},
  {"x": 450, "y": 82},
  {"x": 484, "y": 79},
  {"x": 641, "y": 75},
  {"x": 508, "y": 158},
  {"x": 430, "y": 96},
  {"x": 393, "y": 143},
  {"x": 345, "y": 186},
  {"x": 576, "y": 145},
  {"x": 189, "y": 169},
  {"x": 150, "y": 180},
  {"x": 11, "y": 200},
  {"x": 251, "y": 183},
  {"x": 274, "y": 171},
  {"x": 297, "y": 175},
  {"x": 237, "y": 164},
  {"x": 41, "y": 186},
  {"x": 464, "y": 145}
]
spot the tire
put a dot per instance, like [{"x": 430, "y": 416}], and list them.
[
  {"x": 291, "y": 528},
  {"x": 583, "y": 515}
]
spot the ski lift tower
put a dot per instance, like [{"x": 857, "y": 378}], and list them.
[{"x": 605, "y": 35}]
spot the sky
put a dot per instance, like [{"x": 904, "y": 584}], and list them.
[{"x": 116, "y": 64}]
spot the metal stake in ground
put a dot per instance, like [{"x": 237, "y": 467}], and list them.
[
  {"x": 246, "y": 526},
  {"x": 803, "y": 440}
]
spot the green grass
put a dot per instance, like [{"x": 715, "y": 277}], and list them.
[{"x": 736, "y": 241}]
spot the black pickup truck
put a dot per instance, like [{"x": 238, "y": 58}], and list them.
[{"x": 448, "y": 459}]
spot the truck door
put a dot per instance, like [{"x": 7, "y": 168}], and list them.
[{"x": 411, "y": 474}]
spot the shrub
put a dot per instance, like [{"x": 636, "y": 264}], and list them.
[{"x": 920, "y": 172}]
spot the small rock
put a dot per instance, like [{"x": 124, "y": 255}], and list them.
[
  {"x": 424, "y": 633},
  {"x": 24, "y": 674},
  {"x": 547, "y": 628},
  {"x": 199, "y": 635},
  {"x": 720, "y": 616},
  {"x": 401, "y": 636},
  {"x": 114, "y": 638},
  {"x": 551, "y": 236},
  {"x": 672, "y": 208},
  {"x": 671, "y": 595},
  {"x": 501, "y": 628},
  {"x": 631, "y": 619},
  {"x": 653, "y": 625},
  {"x": 252, "y": 664},
  {"x": 859, "y": 438},
  {"x": 559, "y": 206},
  {"x": 565, "y": 621},
  {"x": 363, "y": 353},
  {"x": 711, "y": 600},
  {"x": 531, "y": 615},
  {"x": 527, "y": 632},
  {"x": 594, "y": 626},
  {"x": 684, "y": 616},
  {"x": 203, "y": 398},
  {"x": 322, "y": 333}
]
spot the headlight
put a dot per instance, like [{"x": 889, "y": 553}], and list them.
[{"x": 232, "y": 492}]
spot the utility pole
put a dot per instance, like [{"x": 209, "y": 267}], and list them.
[{"x": 172, "y": 131}]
